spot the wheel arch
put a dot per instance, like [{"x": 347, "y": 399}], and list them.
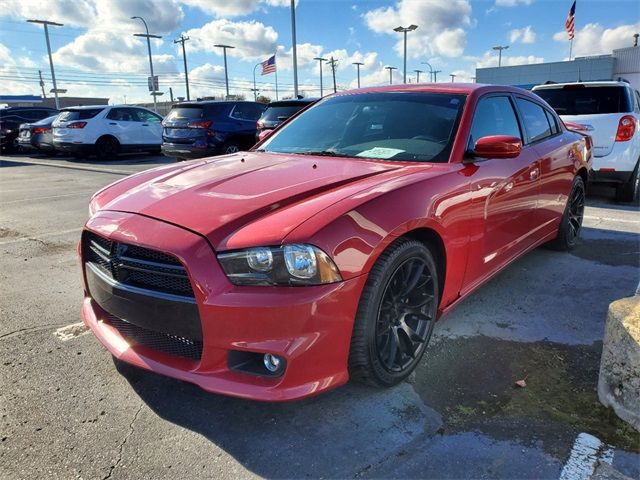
[
  {"x": 108, "y": 135},
  {"x": 583, "y": 174},
  {"x": 432, "y": 240}
]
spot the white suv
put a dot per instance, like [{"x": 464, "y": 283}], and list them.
[
  {"x": 106, "y": 130},
  {"x": 610, "y": 113}
]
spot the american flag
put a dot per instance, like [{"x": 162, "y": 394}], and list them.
[
  {"x": 269, "y": 66},
  {"x": 569, "y": 24}
]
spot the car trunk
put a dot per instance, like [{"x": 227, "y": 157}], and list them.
[
  {"x": 601, "y": 128},
  {"x": 187, "y": 124}
]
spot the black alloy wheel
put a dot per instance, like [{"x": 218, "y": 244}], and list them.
[
  {"x": 396, "y": 314},
  {"x": 571, "y": 222},
  {"x": 107, "y": 148}
]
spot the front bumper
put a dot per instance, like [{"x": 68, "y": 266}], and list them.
[{"x": 309, "y": 326}]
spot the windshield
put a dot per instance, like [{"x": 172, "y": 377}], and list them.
[
  {"x": 393, "y": 126},
  {"x": 581, "y": 100}
]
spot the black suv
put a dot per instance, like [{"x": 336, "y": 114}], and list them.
[
  {"x": 202, "y": 129},
  {"x": 279, "y": 111},
  {"x": 12, "y": 117}
]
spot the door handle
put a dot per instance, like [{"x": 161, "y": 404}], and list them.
[{"x": 534, "y": 174}]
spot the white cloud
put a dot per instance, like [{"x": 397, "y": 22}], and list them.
[
  {"x": 233, "y": 8},
  {"x": 522, "y": 35},
  {"x": 440, "y": 26},
  {"x": 69, "y": 12},
  {"x": 512, "y": 3},
  {"x": 490, "y": 59},
  {"x": 253, "y": 40},
  {"x": 306, "y": 52},
  {"x": 594, "y": 39}
]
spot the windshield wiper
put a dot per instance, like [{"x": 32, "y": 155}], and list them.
[{"x": 324, "y": 153}]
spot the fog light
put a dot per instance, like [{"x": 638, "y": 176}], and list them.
[{"x": 273, "y": 363}]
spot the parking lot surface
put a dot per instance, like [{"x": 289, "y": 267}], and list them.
[{"x": 67, "y": 411}]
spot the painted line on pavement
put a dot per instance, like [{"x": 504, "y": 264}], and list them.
[
  {"x": 585, "y": 455},
  {"x": 621, "y": 220},
  {"x": 39, "y": 237},
  {"x": 71, "y": 167},
  {"x": 77, "y": 194}
]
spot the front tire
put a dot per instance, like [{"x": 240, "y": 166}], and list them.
[
  {"x": 396, "y": 314},
  {"x": 571, "y": 223},
  {"x": 107, "y": 148}
]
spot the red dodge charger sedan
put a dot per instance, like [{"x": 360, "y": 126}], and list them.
[{"x": 329, "y": 250}]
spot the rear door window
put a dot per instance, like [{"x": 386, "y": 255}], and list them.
[
  {"x": 494, "y": 116},
  {"x": 534, "y": 119},
  {"x": 581, "y": 100},
  {"x": 84, "y": 114},
  {"x": 247, "y": 111},
  {"x": 552, "y": 122},
  {"x": 148, "y": 117}
]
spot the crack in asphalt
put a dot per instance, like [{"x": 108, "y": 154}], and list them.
[
  {"x": 30, "y": 329},
  {"x": 122, "y": 444}
]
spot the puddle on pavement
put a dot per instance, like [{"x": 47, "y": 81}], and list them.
[{"x": 471, "y": 382}]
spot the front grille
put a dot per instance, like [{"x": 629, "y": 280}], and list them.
[
  {"x": 137, "y": 266},
  {"x": 162, "y": 342}
]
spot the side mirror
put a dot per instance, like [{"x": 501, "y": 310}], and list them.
[{"x": 497, "y": 146}]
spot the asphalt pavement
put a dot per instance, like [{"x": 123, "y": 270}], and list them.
[{"x": 68, "y": 411}]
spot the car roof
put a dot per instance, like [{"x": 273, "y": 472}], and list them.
[
  {"x": 447, "y": 87},
  {"x": 212, "y": 102},
  {"x": 586, "y": 84},
  {"x": 6, "y": 109},
  {"x": 291, "y": 101},
  {"x": 86, "y": 107}
]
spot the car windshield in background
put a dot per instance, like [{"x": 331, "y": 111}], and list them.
[
  {"x": 581, "y": 100},
  {"x": 392, "y": 126},
  {"x": 84, "y": 114},
  {"x": 274, "y": 114}
]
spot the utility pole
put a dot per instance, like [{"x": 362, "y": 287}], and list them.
[
  {"x": 181, "y": 40},
  {"x": 333, "y": 64},
  {"x": 46, "y": 24},
  {"x": 320, "y": 60},
  {"x": 453, "y": 77},
  {"x": 435, "y": 75},
  {"x": 418, "y": 72},
  {"x": 44, "y": 95},
  {"x": 500, "y": 48},
  {"x": 226, "y": 75},
  {"x": 358, "y": 64},
  {"x": 391, "y": 69},
  {"x": 404, "y": 30},
  {"x": 154, "y": 92},
  {"x": 295, "y": 51}
]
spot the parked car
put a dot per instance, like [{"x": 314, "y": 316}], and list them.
[
  {"x": 107, "y": 130},
  {"x": 38, "y": 136},
  {"x": 10, "y": 120},
  {"x": 278, "y": 112},
  {"x": 610, "y": 113},
  {"x": 328, "y": 251},
  {"x": 202, "y": 129}
]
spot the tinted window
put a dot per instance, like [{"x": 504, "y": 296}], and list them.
[
  {"x": 494, "y": 116},
  {"x": 374, "y": 125},
  {"x": 247, "y": 111},
  {"x": 581, "y": 100},
  {"x": 185, "y": 113},
  {"x": 534, "y": 119},
  {"x": 84, "y": 114},
  {"x": 124, "y": 115},
  {"x": 149, "y": 117},
  {"x": 552, "y": 122},
  {"x": 273, "y": 114}
]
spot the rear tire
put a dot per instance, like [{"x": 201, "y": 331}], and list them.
[
  {"x": 395, "y": 315},
  {"x": 107, "y": 148},
  {"x": 630, "y": 191},
  {"x": 571, "y": 223}
]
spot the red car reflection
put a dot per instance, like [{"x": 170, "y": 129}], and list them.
[{"x": 329, "y": 250}]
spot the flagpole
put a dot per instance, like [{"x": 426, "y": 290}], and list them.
[
  {"x": 570, "y": 48},
  {"x": 276, "y": 64}
]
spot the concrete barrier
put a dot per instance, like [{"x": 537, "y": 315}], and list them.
[{"x": 619, "y": 380}]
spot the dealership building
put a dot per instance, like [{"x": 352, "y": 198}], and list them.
[{"x": 623, "y": 63}]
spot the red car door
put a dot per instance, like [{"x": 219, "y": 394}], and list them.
[
  {"x": 557, "y": 158},
  {"x": 504, "y": 192}
]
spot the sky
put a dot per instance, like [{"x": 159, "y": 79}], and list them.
[{"x": 96, "y": 54}]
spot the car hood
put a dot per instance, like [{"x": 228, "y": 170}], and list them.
[{"x": 219, "y": 196}]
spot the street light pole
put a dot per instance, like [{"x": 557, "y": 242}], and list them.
[
  {"x": 295, "y": 50},
  {"x": 182, "y": 40},
  {"x": 320, "y": 60},
  {"x": 404, "y": 30},
  {"x": 500, "y": 49},
  {"x": 357, "y": 64},
  {"x": 226, "y": 75},
  {"x": 418, "y": 72},
  {"x": 430, "y": 71},
  {"x": 46, "y": 24},
  {"x": 153, "y": 78},
  {"x": 391, "y": 69},
  {"x": 453, "y": 77},
  {"x": 435, "y": 75},
  {"x": 255, "y": 90}
]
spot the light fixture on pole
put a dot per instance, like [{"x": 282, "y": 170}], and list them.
[
  {"x": 500, "y": 48},
  {"x": 182, "y": 40},
  {"x": 430, "y": 70},
  {"x": 320, "y": 60},
  {"x": 153, "y": 84},
  {"x": 391, "y": 69},
  {"x": 418, "y": 72},
  {"x": 358, "y": 64},
  {"x": 46, "y": 24},
  {"x": 226, "y": 75},
  {"x": 404, "y": 30}
]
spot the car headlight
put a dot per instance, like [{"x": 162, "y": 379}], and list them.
[{"x": 291, "y": 265}]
